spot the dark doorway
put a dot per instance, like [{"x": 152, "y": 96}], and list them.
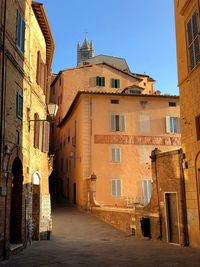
[
  {"x": 74, "y": 194},
  {"x": 172, "y": 217},
  {"x": 16, "y": 203}
]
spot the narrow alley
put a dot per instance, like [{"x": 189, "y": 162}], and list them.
[{"x": 80, "y": 239}]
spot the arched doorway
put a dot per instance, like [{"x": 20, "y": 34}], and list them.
[
  {"x": 16, "y": 203},
  {"x": 36, "y": 206}
]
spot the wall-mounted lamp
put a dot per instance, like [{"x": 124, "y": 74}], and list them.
[{"x": 51, "y": 113}]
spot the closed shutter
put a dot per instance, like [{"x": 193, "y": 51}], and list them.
[
  {"x": 113, "y": 83},
  {"x": 97, "y": 81},
  {"x": 41, "y": 123},
  {"x": 119, "y": 190},
  {"x": 23, "y": 36},
  {"x": 45, "y": 79},
  {"x": 113, "y": 122},
  {"x": 122, "y": 123},
  {"x": 103, "y": 81},
  {"x": 178, "y": 125},
  {"x": 46, "y": 130},
  {"x": 168, "y": 130},
  {"x": 118, "y": 83},
  {"x": 113, "y": 188},
  {"x": 116, "y": 157},
  {"x": 36, "y": 130},
  {"x": 38, "y": 74}
]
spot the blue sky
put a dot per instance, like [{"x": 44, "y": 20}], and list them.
[{"x": 142, "y": 32}]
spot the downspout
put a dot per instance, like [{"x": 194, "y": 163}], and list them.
[
  {"x": 154, "y": 159},
  {"x": 2, "y": 88},
  {"x": 183, "y": 202}
]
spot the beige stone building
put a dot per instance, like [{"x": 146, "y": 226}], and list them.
[
  {"x": 26, "y": 51},
  {"x": 188, "y": 58},
  {"x": 112, "y": 135}
]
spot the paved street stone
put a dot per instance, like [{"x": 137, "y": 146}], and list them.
[{"x": 80, "y": 239}]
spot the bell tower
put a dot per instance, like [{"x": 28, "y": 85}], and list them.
[{"x": 84, "y": 52}]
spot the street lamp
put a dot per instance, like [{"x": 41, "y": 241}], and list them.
[{"x": 52, "y": 111}]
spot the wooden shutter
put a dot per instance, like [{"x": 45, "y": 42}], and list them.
[
  {"x": 113, "y": 188},
  {"x": 103, "y": 81},
  {"x": 122, "y": 123},
  {"x": 45, "y": 137},
  {"x": 36, "y": 130},
  {"x": 118, "y": 189},
  {"x": 113, "y": 83},
  {"x": 38, "y": 74},
  {"x": 97, "y": 81},
  {"x": 45, "y": 79},
  {"x": 168, "y": 130},
  {"x": 113, "y": 122},
  {"x": 23, "y": 36},
  {"x": 118, "y": 83}
]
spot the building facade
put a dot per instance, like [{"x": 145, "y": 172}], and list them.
[
  {"x": 188, "y": 59},
  {"x": 26, "y": 51},
  {"x": 111, "y": 136}
]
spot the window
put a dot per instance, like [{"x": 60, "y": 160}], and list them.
[
  {"x": 144, "y": 121},
  {"x": 19, "y": 105},
  {"x": 41, "y": 73},
  {"x": 198, "y": 127},
  {"x": 117, "y": 123},
  {"x": 116, "y": 154},
  {"x": 172, "y": 124},
  {"x": 115, "y": 83},
  {"x": 68, "y": 135},
  {"x": 100, "y": 81},
  {"x": 116, "y": 189},
  {"x": 193, "y": 40},
  {"x": 172, "y": 104},
  {"x": 147, "y": 190},
  {"x": 20, "y": 32},
  {"x": 114, "y": 101}
]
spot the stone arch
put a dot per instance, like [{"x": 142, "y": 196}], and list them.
[
  {"x": 36, "y": 182},
  {"x": 16, "y": 202}
]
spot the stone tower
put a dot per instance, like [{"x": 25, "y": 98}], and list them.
[{"x": 84, "y": 52}]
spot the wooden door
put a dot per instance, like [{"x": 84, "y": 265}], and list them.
[{"x": 172, "y": 218}]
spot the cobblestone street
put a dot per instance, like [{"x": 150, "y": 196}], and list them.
[{"x": 79, "y": 239}]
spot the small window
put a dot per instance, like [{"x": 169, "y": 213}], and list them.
[
  {"x": 19, "y": 106},
  {"x": 100, "y": 81},
  {"x": 116, "y": 188},
  {"x": 172, "y": 104},
  {"x": 144, "y": 84},
  {"x": 117, "y": 123},
  {"x": 116, "y": 154},
  {"x": 20, "y": 32},
  {"x": 198, "y": 127},
  {"x": 114, "y": 101},
  {"x": 172, "y": 124},
  {"x": 115, "y": 83},
  {"x": 193, "y": 40}
]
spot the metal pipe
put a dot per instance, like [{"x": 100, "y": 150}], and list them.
[{"x": 2, "y": 87}]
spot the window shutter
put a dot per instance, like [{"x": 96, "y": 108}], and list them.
[
  {"x": 168, "y": 124},
  {"x": 122, "y": 123},
  {"x": 118, "y": 183},
  {"x": 97, "y": 81},
  {"x": 118, "y": 155},
  {"x": 45, "y": 141},
  {"x": 23, "y": 35},
  {"x": 178, "y": 125},
  {"x": 113, "y": 154},
  {"x": 113, "y": 83},
  {"x": 45, "y": 79},
  {"x": 113, "y": 122},
  {"x": 118, "y": 83},
  {"x": 113, "y": 188},
  {"x": 103, "y": 81},
  {"x": 36, "y": 130},
  {"x": 38, "y": 74}
]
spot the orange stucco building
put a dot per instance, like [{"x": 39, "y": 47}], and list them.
[
  {"x": 112, "y": 135},
  {"x": 188, "y": 58}
]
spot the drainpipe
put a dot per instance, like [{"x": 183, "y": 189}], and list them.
[
  {"x": 2, "y": 87},
  {"x": 183, "y": 202},
  {"x": 154, "y": 159}
]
